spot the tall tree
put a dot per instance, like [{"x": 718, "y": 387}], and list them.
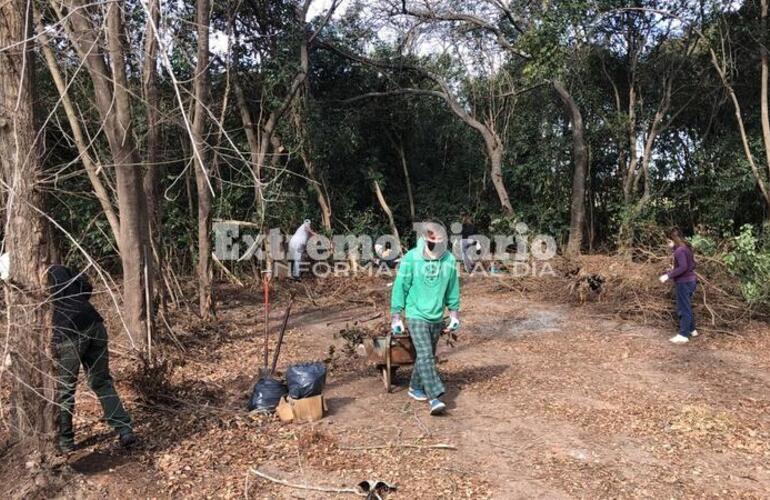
[
  {"x": 153, "y": 167},
  {"x": 29, "y": 327},
  {"x": 580, "y": 158},
  {"x": 202, "y": 182},
  {"x": 96, "y": 33}
]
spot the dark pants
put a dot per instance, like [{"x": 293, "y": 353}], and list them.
[
  {"x": 88, "y": 348},
  {"x": 684, "y": 293},
  {"x": 465, "y": 252}
]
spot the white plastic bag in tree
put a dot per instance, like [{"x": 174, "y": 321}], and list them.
[{"x": 5, "y": 266}]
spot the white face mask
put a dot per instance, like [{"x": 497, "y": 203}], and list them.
[
  {"x": 670, "y": 244},
  {"x": 5, "y": 266}
]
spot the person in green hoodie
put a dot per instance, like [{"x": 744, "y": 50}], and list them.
[{"x": 426, "y": 284}]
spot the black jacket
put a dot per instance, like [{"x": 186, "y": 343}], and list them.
[
  {"x": 468, "y": 230},
  {"x": 70, "y": 295}
]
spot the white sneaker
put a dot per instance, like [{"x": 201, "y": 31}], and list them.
[
  {"x": 679, "y": 339},
  {"x": 694, "y": 333}
]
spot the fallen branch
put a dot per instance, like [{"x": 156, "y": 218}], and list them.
[
  {"x": 227, "y": 272},
  {"x": 439, "y": 446},
  {"x": 243, "y": 223},
  {"x": 308, "y": 487}
]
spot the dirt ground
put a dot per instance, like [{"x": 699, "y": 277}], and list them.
[{"x": 545, "y": 400}]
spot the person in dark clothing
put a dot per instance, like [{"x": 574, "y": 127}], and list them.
[
  {"x": 80, "y": 338},
  {"x": 685, "y": 281},
  {"x": 467, "y": 242}
]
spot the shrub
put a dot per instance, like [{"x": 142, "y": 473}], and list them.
[{"x": 749, "y": 261}]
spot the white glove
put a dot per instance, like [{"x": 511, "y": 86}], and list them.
[
  {"x": 454, "y": 321},
  {"x": 663, "y": 278},
  {"x": 5, "y": 266},
  {"x": 396, "y": 325}
]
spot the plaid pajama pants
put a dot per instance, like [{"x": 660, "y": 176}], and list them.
[{"x": 425, "y": 376}]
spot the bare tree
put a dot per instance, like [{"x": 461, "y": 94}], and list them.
[
  {"x": 384, "y": 204},
  {"x": 653, "y": 60},
  {"x": 490, "y": 121},
  {"x": 301, "y": 109},
  {"x": 260, "y": 133},
  {"x": 112, "y": 98},
  {"x": 504, "y": 23},
  {"x": 153, "y": 167},
  {"x": 399, "y": 147},
  {"x": 204, "y": 190},
  {"x": 763, "y": 104},
  {"x": 93, "y": 167},
  {"x": 29, "y": 317}
]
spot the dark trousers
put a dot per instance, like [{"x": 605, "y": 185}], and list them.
[
  {"x": 88, "y": 348},
  {"x": 684, "y": 293}
]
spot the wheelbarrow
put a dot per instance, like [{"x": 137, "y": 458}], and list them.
[{"x": 388, "y": 352}]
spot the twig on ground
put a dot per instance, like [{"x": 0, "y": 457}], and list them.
[
  {"x": 438, "y": 446},
  {"x": 409, "y": 409},
  {"x": 726, "y": 332},
  {"x": 308, "y": 487}
]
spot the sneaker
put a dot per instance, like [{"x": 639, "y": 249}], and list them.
[
  {"x": 128, "y": 439},
  {"x": 417, "y": 394},
  {"x": 437, "y": 407},
  {"x": 694, "y": 333},
  {"x": 679, "y": 339}
]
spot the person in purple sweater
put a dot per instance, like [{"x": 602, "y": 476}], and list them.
[{"x": 685, "y": 280}]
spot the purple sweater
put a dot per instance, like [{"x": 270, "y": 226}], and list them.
[{"x": 684, "y": 265}]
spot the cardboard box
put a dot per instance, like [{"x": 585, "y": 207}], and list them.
[{"x": 301, "y": 410}]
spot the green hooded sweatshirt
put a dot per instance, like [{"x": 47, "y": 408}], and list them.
[{"x": 424, "y": 287}]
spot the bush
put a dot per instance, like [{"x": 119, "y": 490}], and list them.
[
  {"x": 749, "y": 261},
  {"x": 703, "y": 245}
]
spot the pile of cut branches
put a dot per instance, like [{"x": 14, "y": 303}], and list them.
[{"x": 630, "y": 289}]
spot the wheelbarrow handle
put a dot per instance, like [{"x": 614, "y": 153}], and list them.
[{"x": 387, "y": 361}]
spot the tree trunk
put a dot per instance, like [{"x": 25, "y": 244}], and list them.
[
  {"x": 323, "y": 203},
  {"x": 134, "y": 238},
  {"x": 492, "y": 143},
  {"x": 153, "y": 168},
  {"x": 765, "y": 112},
  {"x": 91, "y": 167},
  {"x": 386, "y": 209},
  {"x": 495, "y": 153},
  {"x": 580, "y": 157},
  {"x": 29, "y": 314},
  {"x": 257, "y": 146},
  {"x": 112, "y": 99},
  {"x": 402, "y": 154},
  {"x": 202, "y": 92},
  {"x": 305, "y": 146},
  {"x": 722, "y": 72}
]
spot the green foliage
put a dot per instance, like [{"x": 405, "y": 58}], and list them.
[
  {"x": 749, "y": 261},
  {"x": 699, "y": 178},
  {"x": 703, "y": 245}
]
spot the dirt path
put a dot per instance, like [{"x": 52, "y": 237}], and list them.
[
  {"x": 544, "y": 401},
  {"x": 547, "y": 401}
]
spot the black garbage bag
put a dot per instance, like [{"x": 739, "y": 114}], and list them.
[
  {"x": 267, "y": 394},
  {"x": 306, "y": 380}
]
